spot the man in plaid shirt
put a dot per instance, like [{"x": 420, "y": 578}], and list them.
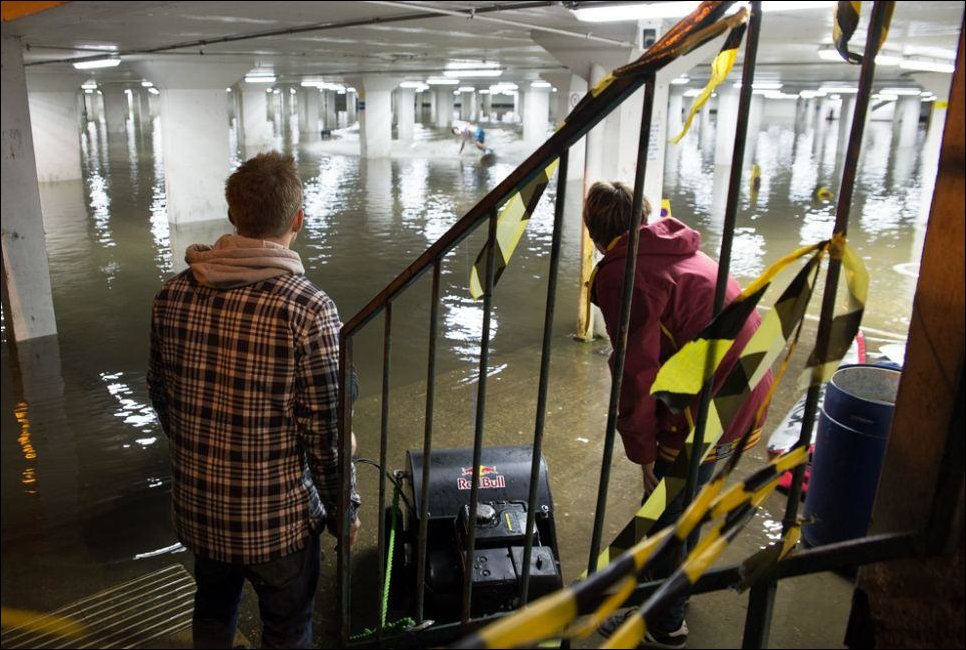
[{"x": 244, "y": 378}]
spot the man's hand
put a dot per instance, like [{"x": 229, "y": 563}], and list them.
[
  {"x": 650, "y": 479},
  {"x": 354, "y": 443},
  {"x": 354, "y": 532}
]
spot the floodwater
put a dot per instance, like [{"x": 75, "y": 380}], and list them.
[{"x": 85, "y": 476}]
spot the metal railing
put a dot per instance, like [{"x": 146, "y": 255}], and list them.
[{"x": 704, "y": 24}]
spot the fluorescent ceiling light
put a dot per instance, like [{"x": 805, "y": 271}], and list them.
[
  {"x": 472, "y": 65},
  {"x": 112, "y": 62},
  {"x": 456, "y": 92},
  {"x": 680, "y": 81},
  {"x": 227, "y": 90},
  {"x": 885, "y": 97},
  {"x": 812, "y": 94},
  {"x": 154, "y": 91},
  {"x": 540, "y": 84},
  {"x": 147, "y": 84},
  {"x": 89, "y": 85},
  {"x": 841, "y": 90},
  {"x": 466, "y": 89},
  {"x": 777, "y": 94},
  {"x": 553, "y": 90},
  {"x": 926, "y": 66},
  {"x": 439, "y": 81},
  {"x": 622, "y": 11},
  {"x": 887, "y": 59},
  {"x": 473, "y": 73},
  {"x": 925, "y": 93},
  {"x": 350, "y": 89},
  {"x": 484, "y": 91},
  {"x": 503, "y": 87},
  {"x": 899, "y": 91},
  {"x": 260, "y": 79},
  {"x": 655, "y": 10},
  {"x": 291, "y": 91},
  {"x": 275, "y": 91},
  {"x": 762, "y": 85},
  {"x": 412, "y": 84},
  {"x": 693, "y": 92},
  {"x": 88, "y": 91}
]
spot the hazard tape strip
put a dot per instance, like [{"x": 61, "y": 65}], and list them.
[
  {"x": 757, "y": 357},
  {"x": 511, "y": 222},
  {"x": 516, "y": 213},
  {"x": 720, "y": 67},
  {"x": 556, "y": 615},
  {"x": 845, "y": 22}
]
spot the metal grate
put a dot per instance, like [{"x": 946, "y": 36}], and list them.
[{"x": 124, "y": 616}]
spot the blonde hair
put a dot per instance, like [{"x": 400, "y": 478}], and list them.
[
  {"x": 608, "y": 209},
  {"x": 263, "y": 195}
]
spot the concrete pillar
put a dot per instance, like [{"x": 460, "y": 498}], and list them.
[
  {"x": 313, "y": 98},
  {"x": 254, "y": 120},
  {"x": 144, "y": 107},
  {"x": 517, "y": 105},
  {"x": 444, "y": 107},
  {"x": 55, "y": 125},
  {"x": 845, "y": 122},
  {"x": 375, "y": 115},
  {"x": 406, "y": 99},
  {"x": 352, "y": 101},
  {"x": 725, "y": 128},
  {"x": 116, "y": 108},
  {"x": 908, "y": 110},
  {"x": 536, "y": 115},
  {"x": 302, "y": 107},
  {"x": 755, "y": 112},
  {"x": 675, "y": 110},
  {"x": 330, "y": 118},
  {"x": 572, "y": 93},
  {"x": 704, "y": 122},
  {"x": 195, "y": 142},
  {"x": 488, "y": 106},
  {"x": 432, "y": 106},
  {"x": 466, "y": 106},
  {"x": 939, "y": 85},
  {"x": 28, "y": 303},
  {"x": 288, "y": 104}
]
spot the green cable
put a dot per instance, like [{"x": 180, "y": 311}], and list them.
[{"x": 403, "y": 623}]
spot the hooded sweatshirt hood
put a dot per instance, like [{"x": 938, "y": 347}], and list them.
[
  {"x": 666, "y": 236},
  {"x": 236, "y": 261}
]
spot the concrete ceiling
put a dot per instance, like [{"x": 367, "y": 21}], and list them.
[{"x": 416, "y": 48}]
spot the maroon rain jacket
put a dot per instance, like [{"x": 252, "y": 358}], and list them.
[{"x": 674, "y": 288}]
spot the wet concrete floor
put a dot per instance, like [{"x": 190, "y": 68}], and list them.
[{"x": 85, "y": 477}]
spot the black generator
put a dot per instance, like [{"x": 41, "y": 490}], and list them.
[{"x": 501, "y": 520}]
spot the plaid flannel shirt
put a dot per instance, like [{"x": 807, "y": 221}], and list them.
[{"x": 245, "y": 383}]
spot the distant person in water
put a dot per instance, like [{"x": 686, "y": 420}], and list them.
[{"x": 471, "y": 133}]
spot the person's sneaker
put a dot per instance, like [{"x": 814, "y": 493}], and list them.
[
  {"x": 608, "y": 627},
  {"x": 676, "y": 639}
]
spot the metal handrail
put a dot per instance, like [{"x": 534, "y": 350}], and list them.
[{"x": 701, "y": 26}]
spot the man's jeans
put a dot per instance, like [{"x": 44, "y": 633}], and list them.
[
  {"x": 286, "y": 594},
  {"x": 671, "y": 618}
]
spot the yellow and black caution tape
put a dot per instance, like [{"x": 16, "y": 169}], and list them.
[
  {"x": 720, "y": 67},
  {"x": 512, "y": 221},
  {"x": 681, "y": 378},
  {"x": 676, "y": 42},
  {"x": 665, "y": 209},
  {"x": 755, "y": 181},
  {"x": 845, "y": 22},
  {"x": 558, "y": 615}
]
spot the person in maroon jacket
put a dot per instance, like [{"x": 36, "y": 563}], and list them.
[{"x": 674, "y": 284}]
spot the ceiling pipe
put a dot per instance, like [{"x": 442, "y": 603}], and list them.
[{"x": 474, "y": 14}]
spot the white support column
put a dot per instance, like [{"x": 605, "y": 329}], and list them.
[
  {"x": 375, "y": 115},
  {"x": 517, "y": 105},
  {"x": 908, "y": 109},
  {"x": 488, "y": 106},
  {"x": 536, "y": 115},
  {"x": 313, "y": 99},
  {"x": 406, "y": 103},
  {"x": 727, "y": 118},
  {"x": 466, "y": 106},
  {"x": 939, "y": 85},
  {"x": 675, "y": 110},
  {"x": 755, "y": 112},
  {"x": 444, "y": 107},
  {"x": 55, "y": 125},
  {"x": 115, "y": 108},
  {"x": 255, "y": 125},
  {"x": 302, "y": 107},
  {"x": 29, "y": 306},
  {"x": 330, "y": 118},
  {"x": 571, "y": 94},
  {"x": 432, "y": 106},
  {"x": 194, "y": 128},
  {"x": 704, "y": 122},
  {"x": 352, "y": 107},
  {"x": 288, "y": 101},
  {"x": 845, "y": 122}
]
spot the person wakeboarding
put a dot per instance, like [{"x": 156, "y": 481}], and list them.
[{"x": 472, "y": 133}]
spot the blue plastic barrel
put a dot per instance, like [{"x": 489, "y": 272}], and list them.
[{"x": 852, "y": 431}]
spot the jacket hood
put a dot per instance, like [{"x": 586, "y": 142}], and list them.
[
  {"x": 236, "y": 261},
  {"x": 666, "y": 236}
]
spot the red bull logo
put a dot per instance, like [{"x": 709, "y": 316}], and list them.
[{"x": 489, "y": 478}]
